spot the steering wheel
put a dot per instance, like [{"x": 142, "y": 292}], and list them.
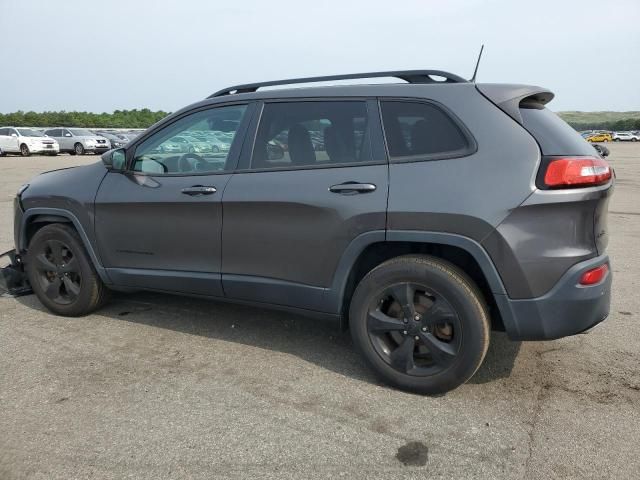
[{"x": 186, "y": 165}]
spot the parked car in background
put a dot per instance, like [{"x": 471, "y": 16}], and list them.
[
  {"x": 26, "y": 141},
  {"x": 213, "y": 142},
  {"x": 194, "y": 144},
  {"x": 599, "y": 137},
  {"x": 625, "y": 137},
  {"x": 78, "y": 141},
  {"x": 601, "y": 149},
  {"x": 131, "y": 135},
  {"x": 115, "y": 140}
]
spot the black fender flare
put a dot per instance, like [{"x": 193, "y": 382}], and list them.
[
  {"x": 335, "y": 294},
  {"x": 32, "y": 215}
]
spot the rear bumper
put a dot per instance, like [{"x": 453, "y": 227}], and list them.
[{"x": 567, "y": 309}]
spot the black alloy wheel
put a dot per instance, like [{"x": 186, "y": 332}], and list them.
[
  {"x": 420, "y": 323},
  {"x": 61, "y": 272},
  {"x": 58, "y": 272},
  {"x": 414, "y": 329}
]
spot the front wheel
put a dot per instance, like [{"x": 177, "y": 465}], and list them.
[
  {"x": 78, "y": 149},
  {"x": 61, "y": 273},
  {"x": 24, "y": 150},
  {"x": 420, "y": 323}
]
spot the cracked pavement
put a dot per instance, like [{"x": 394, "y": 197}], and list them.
[{"x": 155, "y": 386}]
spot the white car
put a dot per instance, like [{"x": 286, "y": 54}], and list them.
[
  {"x": 625, "y": 137},
  {"x": 26, "y": 141}
]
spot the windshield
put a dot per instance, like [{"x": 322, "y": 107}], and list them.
[
  {"x": 27, "y": 132},
  {"x": 81, "y": 132}
]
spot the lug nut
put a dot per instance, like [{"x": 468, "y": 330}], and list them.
[
  {"x": 424, "y": 329},
  {"x": 405, "y": 320},
  {"x": 417, "y": 318},
  {"x": 404, "y": 333},
  {"x": 417, "y": 337}
]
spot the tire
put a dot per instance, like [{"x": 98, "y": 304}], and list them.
[
  {"x": 61, "y": 273},
  {"x": 616, "y": 139},
  {"x": 24, "y": 150},
  {"x": 78, "y": 149},
  {"x": 444, "y": 341},
  {"x": 634, "y": 139}
]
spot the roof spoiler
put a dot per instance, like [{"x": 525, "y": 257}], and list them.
[{"x": 509, "y": 97}]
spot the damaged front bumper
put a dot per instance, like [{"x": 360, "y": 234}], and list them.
[{"x": 13, "y": 280}]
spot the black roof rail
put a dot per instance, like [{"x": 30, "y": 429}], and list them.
[{"x": 410, "y": 76}]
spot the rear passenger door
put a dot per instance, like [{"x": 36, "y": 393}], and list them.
[{"x": 314, "y": 180}]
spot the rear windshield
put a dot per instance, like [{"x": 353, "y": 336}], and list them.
[{"x": 553, "y": 134}]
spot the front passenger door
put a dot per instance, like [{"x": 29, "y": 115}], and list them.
[{"x": 159, "y": 224}]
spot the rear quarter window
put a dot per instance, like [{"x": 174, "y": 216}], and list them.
[
  {"x": 553, "y": 134},
  {"x": 417, "y": 131}
]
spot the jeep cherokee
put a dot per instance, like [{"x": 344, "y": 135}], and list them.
[{"x": 419, "y": 214}]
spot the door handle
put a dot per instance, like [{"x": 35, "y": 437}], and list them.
[
  {"x": 350, "y": 188},
  {"x": 199, "y": 190}
]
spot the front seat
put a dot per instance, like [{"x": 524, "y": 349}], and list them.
[
  {"x": 335, "y": 147},
  {"x": 300, "y": 147}
]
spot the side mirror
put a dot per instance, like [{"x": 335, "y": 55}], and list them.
[
  {"x": 274, "y": 151},
  {"x": 14, "y": 135},
  {"x": 67, "y": 134},
  {"x": 115, "y": 159}
]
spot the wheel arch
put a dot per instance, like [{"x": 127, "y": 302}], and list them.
[
  {"x": 370, "y": 250},
  {"x": 36, "y": 218}
]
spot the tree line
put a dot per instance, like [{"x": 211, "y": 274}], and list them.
[
  {"x": 144, "y": 118},
  {"x": 118, "y": 119},
  {"x": 614, "y": 126}
]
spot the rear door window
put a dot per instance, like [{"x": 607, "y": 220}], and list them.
[
  {"x": 421, "y": 130},
  {"x": 553, "y": 134},
  {"x": 312, "y": 134}
]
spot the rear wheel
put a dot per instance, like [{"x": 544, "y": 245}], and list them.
[
  {"x": 61, "y": 273},
  {"x": 420, "y": 323},
  {"x": 24, "y": 150},
  {"x": 78, "y": 148}
]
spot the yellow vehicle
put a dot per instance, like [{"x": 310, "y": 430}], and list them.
[{"x": 599, "y": 137}]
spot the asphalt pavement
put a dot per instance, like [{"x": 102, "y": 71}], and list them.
[{"x": 157, "y": 386}]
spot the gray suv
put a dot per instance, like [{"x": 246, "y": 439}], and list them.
[{"x": 422, "y": 216}]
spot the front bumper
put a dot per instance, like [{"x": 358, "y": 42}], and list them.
[
  {"x": 567, "y": 309},
  {"x": 55, "y": 149},
  {"x": 13, "y": 280}
]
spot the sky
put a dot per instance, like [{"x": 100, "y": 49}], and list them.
[{"x": 93, "y": 55}]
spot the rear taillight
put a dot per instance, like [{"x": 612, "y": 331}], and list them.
[
  {"x": 595, "y": 275},
  {"x": 572, "y": 172}
]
